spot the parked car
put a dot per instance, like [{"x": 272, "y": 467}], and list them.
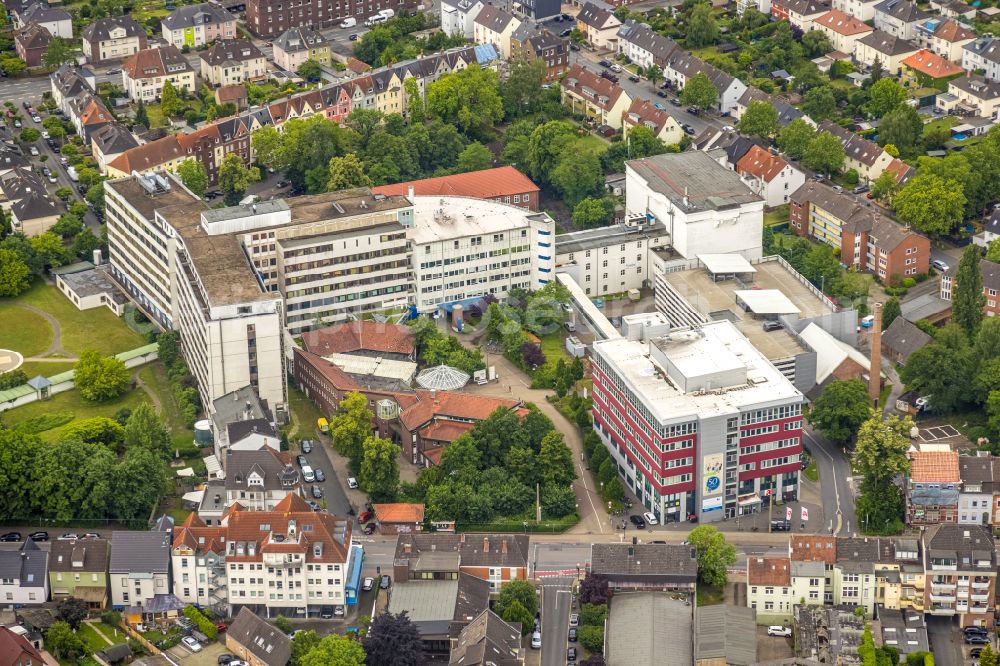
[
  {"x": 191, "y": 643},
  {"x": 772, "y": 326},
  {"x": 10, "y": 537},
  {"x": 281, "y": 184},
  {"x": 34, "y": 151},
  {"x": 320, "y": 476},
  {"x": 574, "y": 619},
  {"x": 574, "y": 47},
  {"x": 91, "y": 535},
  {"x": 609, "y": 76},
  {"x": 338, "y": 611},
  {"x": 114, "y": 71},
  {"x": 675, "y": 102},
  {"x": 36, "y": 118},
  {"x": 17, "y": 123},
  {"x": 939, "y": 265},
  {"x": 301, "y": 460},
  {"x": 571, "y": 654},
  {"x": 313, "y": 505},
  {"x": 572, "y": 635},
  {"x": 39, "y": 536},
  {"x": 27, "y": 106},
  {"x": 45, "y": 134},
  {"x": 69, "y": 536},
  {"x": 693, "y": 110},
  {"x": 975, "y": 630},
  {"x": 977, "y": 639},
  {"x": 365, "y": 517},
  {"x": 974, "y": 653},
  {"x": 638, "y": 521},
  {"x": 651, "y": 518},
  {"x": 778, "y": 630},
  {"x": 688, "y": 129},
  {"x": 660, "y": 93},
  {"x": 605, "y": 63},
  {"x": 368, "y": 584},
  {"x": 384, "y": 582},
  {"x": 615, "y": 67},
  {"x": 317, "y": 492},
  {"x": 780, "y": 526},
  {"x": 536, "y": 640},
  {"x": 353, "y": 37},
  {"x": 306, "y": 446},
  {"x": 352, "y": 483},
  {"x": 633, "y": 79},
  {"x": 369, "y": 529},
  {"x": 225, "y": 659}
]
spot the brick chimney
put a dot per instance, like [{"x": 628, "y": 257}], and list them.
[
  {"x": 503, "y": 546},
  {"x": 486, "y": 544},
  {"x": 875, "y": 371}
]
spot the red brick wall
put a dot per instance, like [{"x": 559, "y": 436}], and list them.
[{"x": 798, "y": 218}]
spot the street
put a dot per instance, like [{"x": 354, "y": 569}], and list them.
[
  {"x": 834, "y": 472},
  {"x": 557, "y": 599}
]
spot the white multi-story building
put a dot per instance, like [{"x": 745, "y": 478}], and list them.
[
  {"x": 25, "y": 579},
  {"x": 465, "y": 248},
  {"x": 698, "y": 422},
  {"x": 140, "y": 567},
  {"x": 982, "y": 54},
  {"x": 458, "y": 16},
  {"x": 705, "y": 207},
  {"x": 612, "y": 260},
  {"x": 197, "y": 560}
]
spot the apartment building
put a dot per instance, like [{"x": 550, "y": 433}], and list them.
[
  {"x": 112, "y": 38},
  {"x": 109, "y": 142},
  {"x": 197, "y": 25},
  {"x": 643, "y": 46},
  {"x": 258, "y": 480},
  {"x": 496, "y": 558},
  {"x": 663, "y": 126},
  {"x": 57, "y": 21},
  {"x": 197, "y": 560},
  {"x": 979, "y": 476},
  {"x": 769, "y": 175},
  {"x": 945, "y": 37},
  {"x": 926, "y": 68},
  {"x": 291, "y": 561},
  {"x": 495, "y": 26},
  {"x": 982, "y": 54},
  {"x": 536, "y": 43},
  {"x": 800, "y": 13},
  {"x": 972, "y": 95},
  {"x": 297, "y": 45},
  {"x": 146, "y": 71},
  {"x": 932, "y": 488},
  {"x": 681, "y": 66},
  {"x": 31, "y": 42},
  {"x": 232, "y": 61},
  {"x": 457, "y": 16},
  {"x": 842, "y": 29},
  {"x": 504, "y": 185},
  {"x": 140, "y": 567},
  {"x": 991, "y": 284},
  {"x": 599, "y": 25},
  {"x": 612, "y": 260},
  {"x": 960, "y": 565},
  {"x": 860, "y": 9},
  {"x": 865, "y": 237},
  {"x": 686, "y": 451},
  {"x": 705, "y": 207},
  {"x": 769, "y": 587},
  {"x": 890, "y": 50},
  {"x": 899, "y": 18},
  {"x": 593, "y": 96},
  {"x": 270, "y": 18}
]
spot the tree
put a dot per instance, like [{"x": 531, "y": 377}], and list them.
[
  {"x": 393, "y": 640},
  {"x": 30, "y": 135},
  {"x": 577, "y": 176},
  {"x": 15, "y": 276},
  {"x": 702, "y": 30},
  {"x": 824, "y": 153},
  {"x": 347, "y": 172},
  {"x": 12, "y": 66},
  {"x": 890, "y": 311},
  {"x": 521, "y": 591},
  {"x": 96, "y": 430},
  {"x": 145, "y": 430},
  {"x": 100, "y": 378},
  {"x": 194, "y": 176},
  {"x": 63, "y": 643},
  {"x": 170, "y": 102},
  {"x": 654, "y": 73},
  {"x": 474, "y": 157},
  {"x": 941, "y": 371},
  {"x": 816, "y": 43},
  {"x": 73, "y": 611},
  {"x": 987, "y": 657},
  {"x": 884, "y": 186},
  {"x": 699, "y": 92},
  {"x": 760, "y": 119},
  {"x": 819, "y": 102},
  {"x": 933, "y": 205},
  {"x": 379, "y": 475},
  {"x": 840, "y": 410},
  {"x": 794, "y": 138},
  {"x": 283, "y": 624},
  {"x": 594, "y": 589},
  {"x": 350, "y": 427},
  {"x": 992, "y": 252},
  {"x": 414, "y": 101},
  {"x": 877, "y": 71},
  {"x": 901, "y": 127},
  {"x": 883, "y": 96},
  {"x": 967, "y": 299},
  {"x": 880, "y": 449},
  {"x": 141, "y": 115},
  {"x": 310, "y": 70},
  {"x": 469, "y": 98},
  {"x": 515, "y": 612},
  {"x": 234, "y": 178},
  {"x": 821, "y": 265},
  {"x": 592, "y": 638},
  {"x": 58, "y": 51},
  {"x": 591, "y": 212},
  {"x": 714, "y": 554},
  {"x": 302, "y": 643},
  {"x": 85, "y": 243},
  {"x": 335, "y": 650},
  {"x": 522, "y": 92},
  {"x": 556, "y": 460}
]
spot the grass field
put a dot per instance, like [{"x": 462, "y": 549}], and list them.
[
  {"x": 155, "y": 377},
  {"x": 31, "y": 335},
  {"x": 91, "y": 638},
  {"x": 70, "y": 401},
  {"x": 592, "y": 142},
  {"x": 33, "y": 368},
  {"x": 709, "y": 595},
  {"x": 777, "y": 215},
  {"x": 304, "y": 415}
]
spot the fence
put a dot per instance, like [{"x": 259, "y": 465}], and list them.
[{"x": 826, "y": 300}]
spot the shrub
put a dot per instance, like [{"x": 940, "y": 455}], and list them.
[
  {"x": 592, "y": 638},
  {"x": 909, "y": 282},
  {"x": 44, "y": 422},
  {"x": 204, "y": 625},
  {"x": 593, "y": 615},
  {"x": 111, "y": 618},
  {"x": 10, "y": 380}
]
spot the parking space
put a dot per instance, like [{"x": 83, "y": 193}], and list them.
[
  {"x": 771, "y": 648},
  {"x": 208, "y": 656}
]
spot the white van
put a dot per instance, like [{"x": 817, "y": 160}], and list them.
[
  {"x": 375, "y": 20},
  {"x": 308, "y": 475},
  {"x": 349, "y": 22},
  {"x": 387, "y": 13}
]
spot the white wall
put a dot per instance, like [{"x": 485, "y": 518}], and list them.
[{"x": 122, "y": 584}]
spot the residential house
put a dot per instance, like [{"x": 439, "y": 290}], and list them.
[
  {"x": 241, "y": 420},
  {"x": 145, "y": 72},
  {"x": 236, "y": 95},
  {"x": 991, "y": 283},
  {"x": 256, "y": 641},
  {"x": 644, "y": 46},
  {"x": 901, "y": 339},
  {"x": 67, "y": 82},
  {"x": 232, "y": 61},
  {"x": 786, "y": 112},
  {"x": 663, "y": 126},
  {"x": 888, "y": 49},
  {"x": 646, "y": 567},
  {"x": 308, "y": 551},
  {"x": 857, "y": 573},
  {"x": 458, "y": 16},
  {"x": 113, "y": 38},
  {"x": 110, "y": 141},
  {"x": 865, "y": 236},
  {"x": 681, "y": 66},
  {"x": 32, "y": 211},
  {"x": 899, "y": 18},
  {"x": 769, "y": 587},
  {"x": 945, "y": 37},
  {"x": 31, "y": 42},
  {"x": 537, "y": 43},
  {"x": 991, "y": 229},
  {"x": 599, "y": 25},
  {"x": 975, "y": 498},
  {"x": 973, "y": 95},
  {"x": 197, "y": 558},
  {"x": 140, "y": 567},
  {"x": 842, "y": 29},
  {"x": 17, "y": 650},
  {"x": 24, "y": 576},
  {"x": 440, "y": 603},
  {"x": 79, "y": 569},
  {"x": 954, "y": 9},
  {"x": 859, "y": 9},
  {"x": 197, "y": 25},
  {"x": 932, "y": 488},
  {"x": 398, "y": 518},
  {"x": 588, "y": 94},
  {"x": 866, "y": 157},
  {"x": 800, "y": 13},
  {"x": 88, "y": 114},
  {"x": 493, "y": 25},
  {"x": 258, "y": 480},
  {"x": 57, "y": 21},
  {"x": 982, "y": 54},
  {"x": 494, "y": 558},
  {"x": 924, "y": 69},
  {"x": 488, "y": 641},
  {"x": 296, "y": 45},
  {"x": 769, "y": 175},
  {"x": 961, "y": 569}
]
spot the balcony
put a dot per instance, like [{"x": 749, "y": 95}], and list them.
[
  {"x": 942, "y": 586},
  {"x": 981, "y": 597},
  {"x": 981, "y": 584},
  {"x": 942, "y": 598},
  {"x": 980, "y": 609},
  {"x": 942, "y": 610}
]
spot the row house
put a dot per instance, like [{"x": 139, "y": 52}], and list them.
[
  {"x": 865, "y": 237},
  {"x": 663, "y": 126},
  {"x": 88, "y": 114},
  {"x": 599, "y": 25},
  {"x": 991, "y": 284},
  {"x": 536, "y": 43},
  {"x": 982, "y": 54},
  {"x": 769, "y": 175},
  {"x": 932, "y": 488},
  {"x": 681, "y": 66},
  {"x": 495, "y": 26},
  {"x": 197, "y": 560},
  {"x": 495, "y": 558},
  {"x": 139, "y": 569},
  {"x": 231, "y": 62},
  {"x": 866, "y": 157},
  {"x": 786, "y": 112},
  {"x": 145, "y": 73},
  {"x": 945, "y": 37},
  {"x": 297, "y": 45},
  {"x": 25, "y": 579},
  {"x": 113, "y": 38},
  {"x": 899, "y": 18},
  {"x": 78, "y": 568},
  {"x": 457, "y": 16},
  {"x": 972, "y": 95},
  {"x": 980, "y": 476},
  {"x": 643, "y": 45},
  {"x": 68, "y": 82},
  {"x": 197, "y": 25},
  {"x": 270, "y": 18},
  {"x": 842, "y": 29},
  {"x": 110, "y": 141},
  {"x": 799, "y": 13},
  {"x": 593, "y": 96},
  {"x": 890, "y": 50}
]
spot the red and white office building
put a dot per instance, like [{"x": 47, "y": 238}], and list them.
[{"x": 697, "y": 420}]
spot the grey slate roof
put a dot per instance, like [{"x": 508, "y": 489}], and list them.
[
  {"x": 890, "y": 45},
  {"x": 647, "y": 39},
  {"x": 709, "y": 185},
  {"x": 977, "y": 86},
  {"x": 987, "y": 48},
  {"x": 494, "y": 18},
  {"x": 901, "y": 10},
  {"x": 624, "y": 560},
  {"x": 231, "y": 51},
  {"x": 488, "y": 640},
  {"x": 298, "y": 39},
  {"x": 948, "y": 540},
  {"x": 726, "y": 632},
  {"x": 140, "y": 552},
  {"x": 904, "y": 338},
  {"x": 267, "y": 463},
  {"x": 240, "y": 405},
  {"x": 975, "y": 470},
  {"x": 92, "y": 553},
  {"x": 33, "y": 206},
  {"x": 264, "y": 640},
  {"x": 594, "y": 15},
  {"x": 904, "y": 630},
  {"x": 113, "y": 138},
  {"x": 989, "y": 270},
  {"x": 200, "y": 14},
  {"x": 100, "y": 30},
  {"x": 29, "y": 566},
  {"x": 440, "y": 607},
  {"x": 41, "y": 13},
  {"x": 476, "y": 550}
]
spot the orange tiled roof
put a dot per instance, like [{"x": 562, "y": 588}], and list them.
[
  {"x": 445, "y": 431},
  {"x": 843, "y": 24},
  {"x": 456, "y": 404},
  {"x": 953, "y": 31},
  {"x": 769, "y": 571},
  {"x": 360, "y": 335},
  {"x": 761, "y": 163},
  {"x": 199, "y": 537},
  {"x": 312, "y": 526},
  {"x": 643, "y": 111},
  {"x": 399, "y": 513},
  {"x": 932, "y": 64},
  {"x": 934, "y": 467},
  {"x": 485, "y": 184},
  {"x": 813, "y": 548},
  {"x": 588, "y": 85}
]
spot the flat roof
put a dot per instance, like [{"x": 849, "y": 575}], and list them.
[
  {"x": 590, "y": 312},
  {"x": 693, "y": 181},
  {"x": 425, "y": 600},
  {"x": 766, "y": 301},
  {"x": 589, "y": 239},
  {"x": 636, "y": 635},
  {"x": 722, "y": 264},
  {"x": 446, "y": 218},
  {"x": 375, "y": 366}
]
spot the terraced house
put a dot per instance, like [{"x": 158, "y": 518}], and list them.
[
  {"x": 296, "y": 45},
  {"x": 198, "y": 25},
  {"x": 79, "y": 568}
]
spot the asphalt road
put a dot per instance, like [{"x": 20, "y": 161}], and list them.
[
  {"x": 945, "y": 640},
  {"x": 333, "y": 492},
  {"x": 834, "y": 472},
  {"x": 556, "y": 601}
]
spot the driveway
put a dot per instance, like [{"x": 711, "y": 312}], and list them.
[
  {"x": 209, "y": 655},
  {"x": 946, "y": 641}
]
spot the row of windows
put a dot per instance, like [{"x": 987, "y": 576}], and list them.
[
  {"x": 769, "y": 446},
  {"x": 771, "y": 414},
  {"x": 777, "y": 462}
]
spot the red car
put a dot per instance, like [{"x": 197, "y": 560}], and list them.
[
  {"x": 220, "y": 627},
  {"x": 365, "y": 517}
]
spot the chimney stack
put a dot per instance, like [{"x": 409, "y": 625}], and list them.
[
  {"x": 486, "y": 544},
  {"x": 503, "y": 546},
  {"x": 875, "y": 371}
]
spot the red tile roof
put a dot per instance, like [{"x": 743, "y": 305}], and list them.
[
  {"x": 769, "y": 571},
  {"x": 932, "y": 65},
  {"x": 445, "y": 431},
  {"x": 360, "y": 335},
  {"x": 455, "y": 404},
  {"x": 934, "y": 467},
  {"x": 588, "y": 85},
  {"x": 901, "y": 170},
  {"x": 843, "y": 24},
  {"x": 761, "y": 163},
  {"x": 14, "y": 649},
  {"x": 485, "y": 184},
  {"x": 810, "y": 548},
  {"x": 199, "y": 537},
  {"x": 357, "y": 66},
  {"x": 953, "y": 31},
  {"x": 399, "y": 513},
  {"x": 312, "y": 527},
  {"x": 644, "y": 112}
]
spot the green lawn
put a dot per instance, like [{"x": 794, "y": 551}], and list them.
[
  {"x": 70, "y": 401},
  {"x": 709, "y": 595},
  {"x": 592, "y": 142},
  {"x": 35, "y": 368},
  {"x": 777, "y": 215},
  {"x": 304, "y": 415},
  {"x": 91, "y": 638},
  {"x": 97, "y": 329},
  {"x": 32, "y": 334},
  {"x": 155, "y": 377},
  {"x": 812, "y": 472}
]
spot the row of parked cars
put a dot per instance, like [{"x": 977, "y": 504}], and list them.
[{"x": 15, "y": 537}]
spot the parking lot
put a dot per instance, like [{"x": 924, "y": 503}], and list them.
[
  {"x": 333, "y": 487},
  {"x": 209, "y": 655}
]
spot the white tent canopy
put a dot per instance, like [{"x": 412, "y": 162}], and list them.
[
  {"x": 726, "y": 264},
  {"x": 442, "y": 378},
  {"x": 766, "y": 301}
]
